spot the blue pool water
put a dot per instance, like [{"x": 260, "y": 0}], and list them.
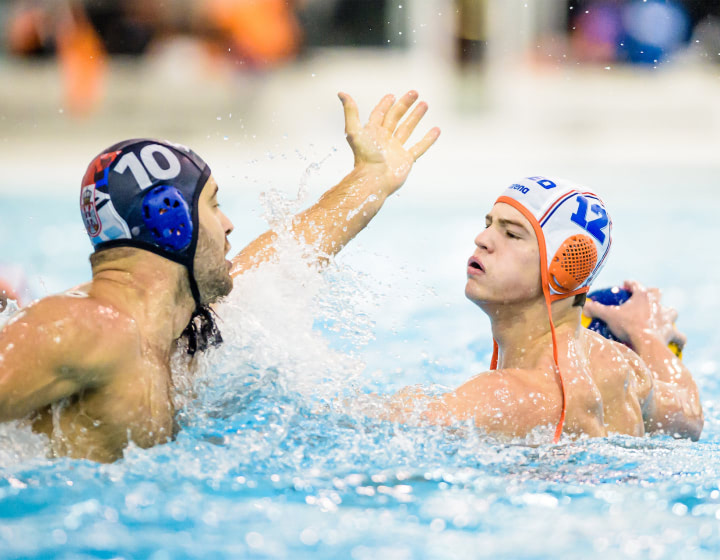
[{"x": 270, "y": 462}]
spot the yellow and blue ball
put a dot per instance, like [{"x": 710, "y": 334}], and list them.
[{"x": 613, "y": 296}]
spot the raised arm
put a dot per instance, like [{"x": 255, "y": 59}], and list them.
[
  {"x": 382, "y": 163},
  {"x": 648, "y": 327},
  {"x": 52, "y": 350}
]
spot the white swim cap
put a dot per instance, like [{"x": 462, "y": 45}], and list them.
[{"x": 573, "y": 230}]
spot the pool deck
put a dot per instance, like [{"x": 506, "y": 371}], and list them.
[{"x": 528, "y": 118}]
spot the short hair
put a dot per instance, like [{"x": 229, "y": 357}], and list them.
[{"x": 579, "y": 300}]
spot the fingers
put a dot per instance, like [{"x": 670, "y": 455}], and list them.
[
  {"x": 428, "y": 140},
  {"x": 408, "y": 126},
  {"x": 352, "y": 118},
  {"x": 632, "y": 286},
  {"x": 378, "y": 113},
  {"x": 595, "y": 310},
  {"x": 397, "y": 111},
  {"x": 679, "y": 338}
]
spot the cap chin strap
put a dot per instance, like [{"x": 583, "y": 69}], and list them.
[
  {"x": 202, "y": 331},
  {"x": 194, "y": 290},
  {"x": 549, "y": 298}
]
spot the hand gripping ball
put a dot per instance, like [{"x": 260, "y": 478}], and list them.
[{"x": 614, "y": 296}]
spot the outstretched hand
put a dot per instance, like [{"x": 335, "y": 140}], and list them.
[
  {"x": 380, "y": 144},
  {"x": 641, "y": 315},
  {"x": 382, "y": 163}
]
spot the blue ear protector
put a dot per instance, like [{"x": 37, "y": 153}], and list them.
[{"x": 167, "y": 215}]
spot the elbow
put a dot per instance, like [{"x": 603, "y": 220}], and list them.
[
  {"x": 681, "y": 416},
  {"x": 696, "y": 428},
  {"x": 687, "y": 427},
  {"x": 696, "y": 419}
]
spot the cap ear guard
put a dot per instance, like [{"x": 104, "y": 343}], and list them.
[
  {"x": 167, "y": 216},
  {"x": 573, "y": 263}
]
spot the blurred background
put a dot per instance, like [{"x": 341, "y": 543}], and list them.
[{"x": 619, "y": 94}]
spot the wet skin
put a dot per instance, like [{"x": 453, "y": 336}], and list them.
[
  {"x": 609, "y": 388},
  {"x": 97, "y": 359},
  {"x": 91, "y": 368}
]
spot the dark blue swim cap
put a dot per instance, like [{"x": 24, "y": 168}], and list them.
[{"x": 144, "y": 193}]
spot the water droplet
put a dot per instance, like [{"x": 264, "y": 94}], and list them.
[
  {"x": 254, "y": 540},
  {"x": 309, "y": 537},
  {"x": 437, "y": 525}
]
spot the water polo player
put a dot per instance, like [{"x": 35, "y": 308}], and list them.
[
  {"x": 101, "y": 352},
  {"x": 544, "y": 243}
]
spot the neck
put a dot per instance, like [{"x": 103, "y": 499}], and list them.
[
  {"x": 522, "y": 330},
  {"x": 153, "y": 290}
]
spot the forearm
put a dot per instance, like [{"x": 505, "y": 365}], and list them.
[
  {"x": 672, "y": 411},
  {"x": 676, "y": 407},
  {"x": 343, "y": 211},
  {"x": 327, "y": 226},
  {"x": 382, "y": 164},
  {"x": 663, "y": 364}
]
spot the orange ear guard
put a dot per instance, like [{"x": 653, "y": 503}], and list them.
[{"x": 573, "y": 263}]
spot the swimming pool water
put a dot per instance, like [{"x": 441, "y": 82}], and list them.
[{"x": 271, "y": 464}]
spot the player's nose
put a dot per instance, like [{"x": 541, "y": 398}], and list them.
[{"x": 483, "y": 240}]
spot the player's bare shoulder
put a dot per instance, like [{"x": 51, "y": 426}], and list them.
[
  {"x": 510, "y": 402},
  {"x": 74, "y": 327}
]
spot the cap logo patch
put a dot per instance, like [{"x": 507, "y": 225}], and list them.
[{"x": 520, "y": 188}]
